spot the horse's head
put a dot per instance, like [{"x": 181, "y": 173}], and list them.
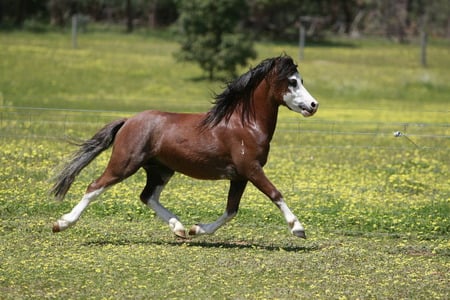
[
  {"x": 292, "y": 92},
  {"x": 285, "y": 88}
]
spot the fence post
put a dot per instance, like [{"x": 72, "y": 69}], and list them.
[
  {"x": 74, "y": 31},
  {"x": 423, "y": 40},
  {"x": 301, "y": 41}
]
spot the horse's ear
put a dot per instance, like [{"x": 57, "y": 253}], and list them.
[{"x": 285, "y": 67}]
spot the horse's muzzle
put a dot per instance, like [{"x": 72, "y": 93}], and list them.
[{"x": 308, "y": 111}]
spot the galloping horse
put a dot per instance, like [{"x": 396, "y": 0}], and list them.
[{"x": 230, "y": 141}]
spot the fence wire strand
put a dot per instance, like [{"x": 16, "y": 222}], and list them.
[{"x": 27, "y": 122}]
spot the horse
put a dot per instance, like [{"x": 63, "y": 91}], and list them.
[{"x": 230, "y": 141}]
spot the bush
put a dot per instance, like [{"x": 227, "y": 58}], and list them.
[{"x": 209, "y": 35}]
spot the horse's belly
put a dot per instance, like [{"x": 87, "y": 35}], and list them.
[
  {"x": 209, "y": 173},
  {"x": 210, "y": 170}
]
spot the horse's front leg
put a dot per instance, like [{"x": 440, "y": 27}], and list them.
[
  {"x": 234, "y": 198},
  {"x": 259, "y": 180}
]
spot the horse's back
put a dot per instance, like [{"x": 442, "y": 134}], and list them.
[{"x": 178, "y": 141}]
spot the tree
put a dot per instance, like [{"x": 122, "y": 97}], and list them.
[
  {"x": 209, "y": 35},
  {"x": 129, "y": 13}
]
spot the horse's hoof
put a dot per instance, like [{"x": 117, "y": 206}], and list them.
[
  {"x": 180, "y": 234},
  {"x": 56, "y": 227},
  {"x": 299, "y": 233},
  {"x": 195, "y": 230}
]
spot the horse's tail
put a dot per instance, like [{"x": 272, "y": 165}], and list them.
[{"x": 88, "y": 151}]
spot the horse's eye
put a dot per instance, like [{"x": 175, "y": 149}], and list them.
[{"x": 293, "y": 82}]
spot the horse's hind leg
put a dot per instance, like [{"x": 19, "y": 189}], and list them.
[
  {"x": 157, "y": 178},
  {"x": 116, "y": 171},
  {"x": 71, "y": 218}
]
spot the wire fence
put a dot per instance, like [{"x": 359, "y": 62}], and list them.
[
  {"x": 291, "y": 133},
  {"x": 45, "y": 123},
  {"x": 309, "y": 145}
]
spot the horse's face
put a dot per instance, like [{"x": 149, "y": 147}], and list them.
[{"x": 298, "y": 99}]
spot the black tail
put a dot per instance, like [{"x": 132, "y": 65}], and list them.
[{"x": 89, "y": 150}]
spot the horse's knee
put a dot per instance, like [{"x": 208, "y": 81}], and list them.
[
  {"x": 148, "y": 192},
  {"x": 144, "y": 197}
]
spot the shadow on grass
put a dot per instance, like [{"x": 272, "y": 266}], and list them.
[
  {"x": 209, "y": 244},
  {"x": 243, "y": 245}
]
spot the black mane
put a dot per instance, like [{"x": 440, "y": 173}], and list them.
[{"x": 240, "y": 91}]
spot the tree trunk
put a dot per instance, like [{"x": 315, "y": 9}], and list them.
[
  {"x": 211, "y": 73},
  {"x": 1, "y": 12},
  {"x": 396, "y": 16},
  {"x": 152, "y": 17},
  {"x": 21, "y": 12},
  {"x": 129, "y": 11},
  {"x": 56, "y": 9}
]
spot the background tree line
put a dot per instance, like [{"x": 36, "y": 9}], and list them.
[{"x": 274, "y": 19}]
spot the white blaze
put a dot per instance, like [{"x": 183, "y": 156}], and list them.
[{"x": 298, "y": 98}]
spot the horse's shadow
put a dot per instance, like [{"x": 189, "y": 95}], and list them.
[
  {"x": 247, "y": 245},
  {"x": 208, "y": 244}
]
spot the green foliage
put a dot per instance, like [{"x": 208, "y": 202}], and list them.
[
  {"x": 375, "y": 206},
  {"x": 210, "y": 35}
]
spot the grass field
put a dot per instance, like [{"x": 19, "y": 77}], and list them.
[{"x": 376, "y": 207}]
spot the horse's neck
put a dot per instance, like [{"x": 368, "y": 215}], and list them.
[{"x": 265, "y": 112}]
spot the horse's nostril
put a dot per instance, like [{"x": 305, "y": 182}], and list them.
[{"x": 313, "y": 104}]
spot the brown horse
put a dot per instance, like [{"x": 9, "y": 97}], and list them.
[{"x": 231, "y": 141}]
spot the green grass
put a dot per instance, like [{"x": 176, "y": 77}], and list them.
[{"x": 376, "y": 207}]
